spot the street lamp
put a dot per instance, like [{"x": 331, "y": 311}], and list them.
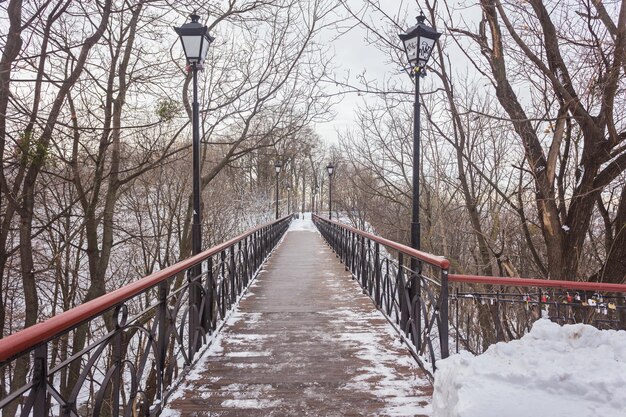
[
  {"x": 195, "y": 39},
  {"x": 277, "y": 166},
  {"x": 419, "y": 42},
  {"x": 317, "y": 192},
  {"x": 418, "y": 45},
  {"x": 331, "y": 171},
  {"x": 315, "y": 198}
]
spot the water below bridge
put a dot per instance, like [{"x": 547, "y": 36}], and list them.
[{"x": 304, "y": 341}]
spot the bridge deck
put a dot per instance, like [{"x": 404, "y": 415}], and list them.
[{"x": 304, "y": 341}]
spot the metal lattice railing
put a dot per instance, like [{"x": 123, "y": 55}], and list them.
[
  {"x": 129, "y": 348},
  {"x": 433, "y": 309},
  {"x": 413, "y": 302},
  {"x": 486, "y": 310}
]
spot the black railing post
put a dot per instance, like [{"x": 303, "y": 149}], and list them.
[
  {"x": 401, "y": 287},
  {"x": 368, "y": 263},
  {"x": 192, "y": 317},
  {"x": 341, "y": 254},
  {"x": 344, "y": 246},
  {"x": 258, "y": 238},
  {"x": 499, "y": 335},
  {"x": 363, "y": 260},
  {"x": 210, "y": 299},
  {"x": 235, "y": 272},
  {"x": 224, "y": 298},
  {"x": 162, "y": 339},
  {"x": 443, "y": 315},
  {"x": 353, "y": 260},
  {"x": 257, "y": 249},
  {"x": 377, "y": 274},
  {"x": 456, "y": 313},
  {"x": 40, "y": 376},
  {"x": 117, "y": 373},
  {"x": 245, "y": 256}
]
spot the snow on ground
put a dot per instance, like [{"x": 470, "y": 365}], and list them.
[
  {"x": 572, "y": 370},
  {"x": 215, "y": 348},
  {"x": 380, "y": 377},
  {"x": 303, "y": 223}
]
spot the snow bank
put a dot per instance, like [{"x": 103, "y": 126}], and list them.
[{"x": 572, "y": 370}]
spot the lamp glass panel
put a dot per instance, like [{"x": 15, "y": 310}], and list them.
[
  {"x": 205, "y": 48},
  {"x": 192, "y": 47},
  {"x": 425, "y": 49},
  {"x": 410, "y": 46}
]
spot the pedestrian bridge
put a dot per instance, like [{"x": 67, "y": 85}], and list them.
[{"x": 297, "y": 317}]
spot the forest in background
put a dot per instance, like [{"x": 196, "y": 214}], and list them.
[{"x": 524, "y": 149}]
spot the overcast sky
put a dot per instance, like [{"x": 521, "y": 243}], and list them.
[{"x": 353, "y": 54}]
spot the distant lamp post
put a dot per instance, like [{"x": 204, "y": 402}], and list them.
[
  {"x": 288, "y": 199},
  {"x": 278, "y": 166},
  {"x": 419, "y": 42},
  {"x": 331, "y": 171},
  {"x": 195, "y": 39},
  {"x": 315, "y": 198}
]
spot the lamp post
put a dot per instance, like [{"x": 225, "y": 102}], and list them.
[
  {"x": 288, "y": 199},
  {"x": 418, "y": 45},
  {"x": 418, "y": 41},
  {"x": 331, "y": 171},
  {"x": 277, "y": 167},
  {"x": 195, "y": 39},
  {"x": 317, "y": 192}
]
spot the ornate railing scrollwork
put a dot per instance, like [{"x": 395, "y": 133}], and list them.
[
  {"x": 133, "y": 345},
  {"x": 382, "y": 269},
  {"x": 485, "y": 310}
]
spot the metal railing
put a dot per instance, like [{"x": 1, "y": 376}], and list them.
[
  {"x": 124, "y": 353},
  {"x": 486, "y": 310},
  {"x": 432, "y": 308},
  {"x": 413, "y": 302}
]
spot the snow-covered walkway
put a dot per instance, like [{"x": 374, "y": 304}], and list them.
[{"x": 304, "y": 341}]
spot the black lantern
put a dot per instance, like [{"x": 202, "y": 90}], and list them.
[
  {"x": 195, "y": 39},
  {"x": 278, "y": 165},
  {"x": 331, "y": 170},
  {"x": 419, "y": 42}
]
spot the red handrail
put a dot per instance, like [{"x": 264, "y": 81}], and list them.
[
  {"x": 438, "y": 261},
  {"x": 30, "y": 337},
  {"x": 443, "y": 263},
  {"x": 537, "y": 282}
]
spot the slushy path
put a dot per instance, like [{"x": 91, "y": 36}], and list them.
[{"x": 304, "y": 341}]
